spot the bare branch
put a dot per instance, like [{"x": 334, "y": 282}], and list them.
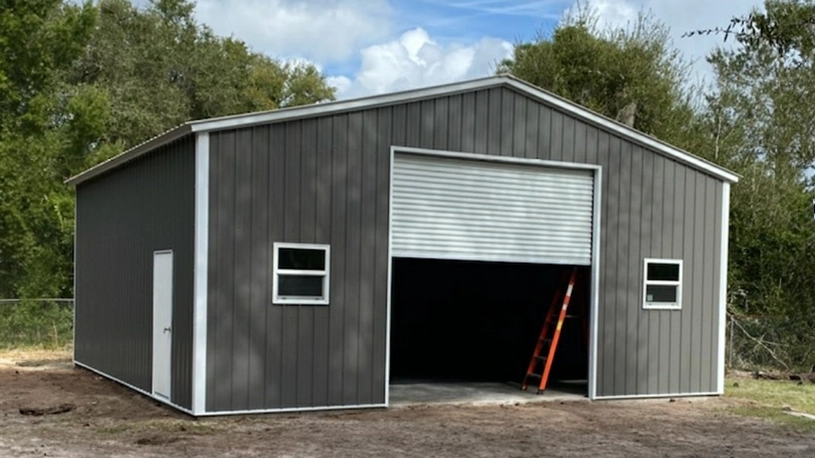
[{"x": 761, "y": 343}]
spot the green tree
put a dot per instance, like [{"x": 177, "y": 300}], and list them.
[
  {"x": 760, "y": 115},
  {"x": 786, "y": 26},
  {"x": 631, "y": 74},
  {"x": 39, "y": 41},
  {"x": 160, "y": 68},
  {"x": 79, "y": 83}
]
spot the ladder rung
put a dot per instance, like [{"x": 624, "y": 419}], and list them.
[
  {"x": 546, "y": 339},
  {"x": 540, "y": 358},
  {"x": 534, "y": 375}
]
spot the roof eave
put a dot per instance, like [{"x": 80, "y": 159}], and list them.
[
  {"x": 625, "y": 131},
  {"x": 138, "y": 150},
  {"x": 284, "y": 114},
  {"x": 322, "y": 109}
]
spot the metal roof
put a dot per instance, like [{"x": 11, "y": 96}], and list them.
[{"x": 321, "y": 109}]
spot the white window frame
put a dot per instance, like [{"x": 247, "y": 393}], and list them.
[
  {"x": 646, "y": 282},
  {"x": 325, "y": 273}
]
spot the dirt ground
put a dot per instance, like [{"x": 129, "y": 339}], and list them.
[{"x": 108, "y": 420}]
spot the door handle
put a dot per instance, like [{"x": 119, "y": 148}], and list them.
[{"x": 168, "y": 330}]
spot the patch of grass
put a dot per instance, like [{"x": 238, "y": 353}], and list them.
[
  {"x": 773, "y": 393},
  {"x": 113, "y": 429},
  {"x": 767, "y": 399},
  {"x": 36, "y": 354},
  {"x": 776, "y": 415},
  {"x": 37, "y": 324}
]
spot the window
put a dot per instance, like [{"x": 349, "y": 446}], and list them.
[
  {"x": 301, "y": 273},
  {"x": 663, "y": 284}
]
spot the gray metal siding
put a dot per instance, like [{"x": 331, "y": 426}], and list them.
[
  {"x": 325, "y": 180},
  {"x": 123, "y": 217},
  {"x": 290, "y": 356}
]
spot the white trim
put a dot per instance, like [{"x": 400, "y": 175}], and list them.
[
  {"x": 486, "y": 158},
  {"x": 306, "y": 273},
  {"x": 305, "y": 246},
  {"x": 201, "y": 282},
  {"x": 292, "y": 409},
  {"x": 662, "y": 307},
  {"x": 73, "y": 305},
  {"x": 321, "y": 109},
  {"x": 645, "y": 282},
  {"x": 595, "y": 257},
  {"x": 492, "y": 258},
  {"x": 595, "y": 283},
  {"x": 722, "y": 283},
  {"x": 251, "y": 119},
  {"x": 325, "y": 273},
  {"x": 390, "y": 281},
  {"x": 135, "y": 388},
  {"x": 228, "y": 412},
  {"x": 656, "y": 396}
]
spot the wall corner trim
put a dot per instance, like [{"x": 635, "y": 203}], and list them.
[
  {"x": 199, "y": 344},
  {"x": 725, "y": 235},
  {"x": 594, "y": 301}
]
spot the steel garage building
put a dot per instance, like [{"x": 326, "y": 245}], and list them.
[{"x": 305, "y": 258}]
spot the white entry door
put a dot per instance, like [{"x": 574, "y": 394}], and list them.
[{"x": 162, "y": 322}]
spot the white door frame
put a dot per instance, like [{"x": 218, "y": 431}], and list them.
[
  {"x": 595, "y": 243},
  {"x": 155, "y": 336}
]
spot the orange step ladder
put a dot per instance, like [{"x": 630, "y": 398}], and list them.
[{"x": 551, "y": 340}]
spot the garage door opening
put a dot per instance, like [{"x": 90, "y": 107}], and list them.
[{"x": 465, "y": 331}]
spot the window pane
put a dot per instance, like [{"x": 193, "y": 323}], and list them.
[
  {"x": 300, "y": 259},
  {"x": 666, "y": 272},
  {"x": 661, "y": 294},
  {"x": 300, "y": 285}
]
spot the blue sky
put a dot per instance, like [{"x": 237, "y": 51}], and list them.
[
  {"x": 466, "y": 21},
  {"x": 375, "y": 46},
  {"x": 453, "y": 20}
]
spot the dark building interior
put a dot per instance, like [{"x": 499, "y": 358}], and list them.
[{"x": 479, "y": 321}]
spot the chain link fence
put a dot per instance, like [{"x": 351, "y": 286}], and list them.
[
  {"x": 753, "y": 342},
  {"x": 42, "y": 323},
  {"x": 761, "y": 342}
]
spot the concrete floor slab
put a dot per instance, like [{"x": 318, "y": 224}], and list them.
[{"x": 412, "y": 393}]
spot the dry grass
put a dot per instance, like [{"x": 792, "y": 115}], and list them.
[
  {"x": 769, "y": 398},
  {"x": 33, "y": 353},
  {"x": 774, "y": 393}
]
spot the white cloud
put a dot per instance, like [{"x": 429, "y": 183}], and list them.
[
  {"x": 416, "y": 60},
  {"x": 319, "y": 30},
  {"x": 614, "y": 12},
  {"x": 681, "y": 16}
]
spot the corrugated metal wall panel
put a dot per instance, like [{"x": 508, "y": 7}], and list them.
[
  {"x": 486, "y": 211},
  {"x": 327, "y": 182},
  {"x": 322, "y": 181},
  {"x": 122, "y": 218}
]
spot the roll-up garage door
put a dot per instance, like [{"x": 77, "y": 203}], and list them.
[{"x": 450, "y": 208}]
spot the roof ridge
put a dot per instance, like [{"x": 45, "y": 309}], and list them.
[{"x": 244, "y": 120}]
